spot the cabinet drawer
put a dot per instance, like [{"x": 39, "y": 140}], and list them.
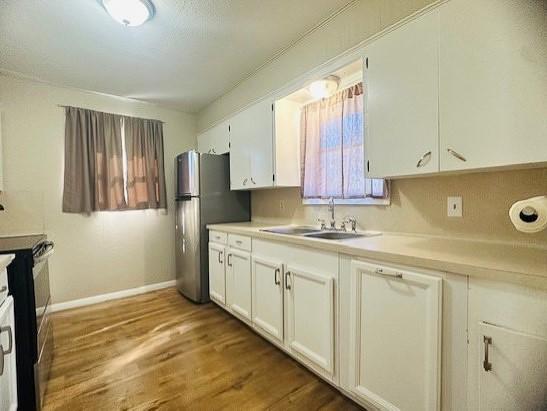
[
  {"x": 239, "y": 241},
  {"x": 218, "y": 237}
]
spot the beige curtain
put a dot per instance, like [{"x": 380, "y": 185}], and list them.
[
  {"x": 145, "y": 168},
  {"x": 93, "y": 178},
  {"x": 332, "y": 148}
]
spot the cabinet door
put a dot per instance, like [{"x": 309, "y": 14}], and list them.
[
  {"x": 220, "y": 138},
  {"x": 267, "y": 296},
  {"x": 238, "y": 283},
  {"x": 402, "y": 100},
  {"x": 204, "y": 142},
  {"x": 395, "y": 335},
  {"x": 513, "y": 370},
  {"x": 493, "y": 65},
  {"x": 310, "y": 308},
  {"x": 251, "y": 136},
  {"x": 240, "y": 165},
  {"x": 217, "y": 278},
  {"x": 8, "y": 377}
]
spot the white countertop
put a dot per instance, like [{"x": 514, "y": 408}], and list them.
[
  {"x": 5, "y": 260},
  {"x": 506, "y": 262}
]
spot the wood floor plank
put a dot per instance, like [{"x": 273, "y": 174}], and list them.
[{"x": 158, "y": 351}]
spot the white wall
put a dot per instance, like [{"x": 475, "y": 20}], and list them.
[
  {"x": 347, "y": 29},
  {"x": 102, "y": 252}
]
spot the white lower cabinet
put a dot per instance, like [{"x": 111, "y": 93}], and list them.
[
  {"x": 508, "y": 347},
  {"x": 217, "y": 276},
  {"x": 267, "y": 278},
  {"x": 238, "y": 283},
  {"x": 294, "y": 291},
  {"x": 512, "y": 369},
  {"x": 310, "y": 315},
  {"x": 395, "y": 337},
  {"x": 8, "y": 377}
]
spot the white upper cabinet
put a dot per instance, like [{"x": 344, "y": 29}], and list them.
[
  {"x": 216, "y": 140},
  {"x": 401, "y": 109},
  {"x": 493, "y": 83},
  {"x": 251, "y": 139},
  {"x": 264, "y": 146}
]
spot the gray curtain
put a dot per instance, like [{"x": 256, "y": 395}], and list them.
[
  {"x": 93, "y": 162},
  {"x": 145, "y": 168}
]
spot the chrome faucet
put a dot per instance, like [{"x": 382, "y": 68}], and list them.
[{"x": 331, "y": 211}]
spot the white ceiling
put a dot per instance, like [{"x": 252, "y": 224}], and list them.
[{"x": 189, "y": 54}]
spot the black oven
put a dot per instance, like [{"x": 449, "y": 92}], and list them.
[
  {"x": 42, "y": 299},
  {"x": 28, "y": 280}
]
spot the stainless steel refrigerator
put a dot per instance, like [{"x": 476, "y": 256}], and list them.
[{"x": 203, "y": 197}]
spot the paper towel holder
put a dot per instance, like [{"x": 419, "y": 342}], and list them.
[{"x": 529, "y": 215}]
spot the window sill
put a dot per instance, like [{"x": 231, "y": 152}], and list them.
[{"x": 348, "y": 201}]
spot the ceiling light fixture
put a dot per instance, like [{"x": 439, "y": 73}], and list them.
[
  {"x": 325, "y": 87},
  {"x": 129, "y": 12}
]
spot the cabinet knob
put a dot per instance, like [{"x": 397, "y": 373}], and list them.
[
  {"x": 456, "y": 154},
  {"x": 424, "y": 160}
]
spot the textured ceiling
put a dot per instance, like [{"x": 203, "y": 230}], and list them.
[{"x": 189, "y": 54}]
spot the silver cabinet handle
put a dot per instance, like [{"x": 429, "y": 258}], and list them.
[
  {"x": 277, "y": 280},
  {"x": 486, "y": 364},
  {"x": 229, "y": 261},
  {"x": 253, "y": 181},
  {"x": 10, "y": 347},
  {"x": 287, "y": 277},
  {"x": 3, "y": 288},
  {"x": 245, "y": 181},
  {"x": 220, "y": 261},
  {"x": 424, "y": 160},
  {"x": 456, "y": 154},
  {"x": 389, "y": 273}
]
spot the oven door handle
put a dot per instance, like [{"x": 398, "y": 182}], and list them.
[{"x": 45, "y": 256}]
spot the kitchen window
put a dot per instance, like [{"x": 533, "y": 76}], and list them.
[
  {"x": 332, "y": 152},
  {"x": 112, "y": 162}
]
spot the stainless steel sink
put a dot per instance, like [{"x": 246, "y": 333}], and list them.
[
  {"x": 292, "y": 230},
  {"x": 334, "y": 235}
]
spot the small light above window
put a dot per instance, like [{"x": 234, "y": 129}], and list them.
[
  {"x": 324, "y": 88},
  {"x": 129, "y": 12}
]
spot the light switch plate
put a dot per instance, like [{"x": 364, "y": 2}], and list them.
[{"x": 455, "y": 207}]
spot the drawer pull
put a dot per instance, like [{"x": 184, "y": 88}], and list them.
[
  {"x": 486, "y": 364},
  {"x": 229, "y": 261},
  {"x": 389, "y": 273}
]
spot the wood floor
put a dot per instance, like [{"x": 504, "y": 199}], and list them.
[{"x": 158, "y": 351}]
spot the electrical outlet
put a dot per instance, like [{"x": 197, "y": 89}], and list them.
[{"x": 455, "y": 207}]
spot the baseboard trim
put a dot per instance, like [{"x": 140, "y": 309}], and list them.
[{"x": 82, "y": 302}]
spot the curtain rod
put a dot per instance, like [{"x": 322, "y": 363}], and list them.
[{"x": 123, "y": 115}]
